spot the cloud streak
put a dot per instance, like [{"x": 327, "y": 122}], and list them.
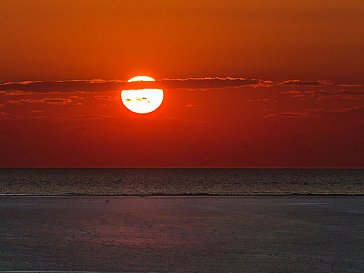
[
  {"x": 54, "y": 101},
  {"x": 97, "y": 85},
  {"x": 354, "y": 112}
]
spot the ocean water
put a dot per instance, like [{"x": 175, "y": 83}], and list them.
[{"x": 180, "y": 181}]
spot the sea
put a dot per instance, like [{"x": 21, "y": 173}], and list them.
[{"x": 181, "y": 182}]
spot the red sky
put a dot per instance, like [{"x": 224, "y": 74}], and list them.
[{"x": 247, "y": 83}]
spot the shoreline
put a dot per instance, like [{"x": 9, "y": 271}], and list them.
[{"x": 191, "y": 195}]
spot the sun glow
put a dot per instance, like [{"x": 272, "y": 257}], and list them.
[{"x": 142, "y": 101}]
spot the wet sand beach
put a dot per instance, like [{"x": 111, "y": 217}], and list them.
[{"x": 182, "y": 234}]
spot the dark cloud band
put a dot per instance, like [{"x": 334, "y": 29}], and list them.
[{"x": 113, "y": 85}]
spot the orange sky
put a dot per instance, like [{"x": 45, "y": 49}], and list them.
[{"x": 301, "y": 105}]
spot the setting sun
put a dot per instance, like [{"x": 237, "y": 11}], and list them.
[
  {"x": 142, "y": 101},
  {"x": 243, "y": 152}
]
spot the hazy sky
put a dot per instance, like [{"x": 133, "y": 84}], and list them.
[{"x": 300, "y": 104}]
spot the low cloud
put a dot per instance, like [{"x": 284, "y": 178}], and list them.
[
  {"x": 300, "y": 93},
  {"x": 101, "y": 97},
  {"x": 207, "y": 83},
  {"x": 97, "y": 85},
  {"x": 306, "y": 83},
  {"x": 263, "y": 100},
  {"x": 326, "y": 94},
  {"x": 16, "y": 93},
  {"x": 356, "y": 112},
  {"x": 307, "y": 113},
  {"x": 347, "y": 112},
  {"x": 55, "y": 101},
  {"x": 60, "y": 86},
  {"x": 3, "y": 114},
  {"x": 192, "y": 105}
]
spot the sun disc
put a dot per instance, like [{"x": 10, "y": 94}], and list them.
[
  {"x": 142, "y": 79},
  {"x": 142, "y": 101}
]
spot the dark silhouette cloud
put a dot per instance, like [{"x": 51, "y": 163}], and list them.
[
  {"x": 207, "y": 83},
  {"x": 62, "y": 86}
]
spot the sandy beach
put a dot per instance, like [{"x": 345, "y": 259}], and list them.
[{"x": 182, "y": 234}]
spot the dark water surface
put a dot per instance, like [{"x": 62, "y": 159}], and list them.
[
  {"x": 180, "y": 181},
  {"x": 294, "y": 234}
]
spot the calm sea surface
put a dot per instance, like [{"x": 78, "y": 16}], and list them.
[{"x": 180, "y": 181}]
